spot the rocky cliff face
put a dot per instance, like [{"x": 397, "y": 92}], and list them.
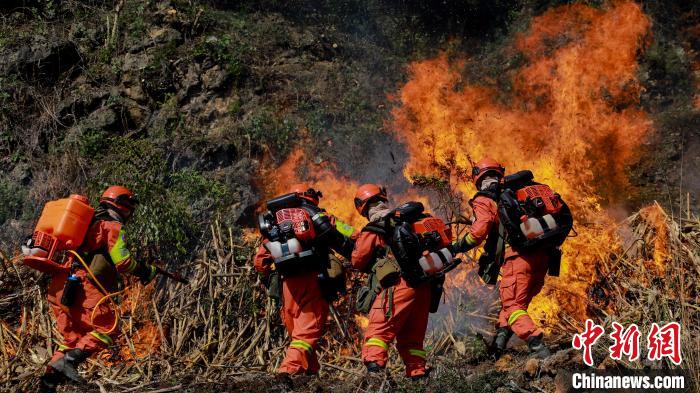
[
  {"x": 189, "y": 102},
  {"x": 179, "y": 100}
]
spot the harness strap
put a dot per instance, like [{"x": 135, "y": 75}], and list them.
[{"x": 390, "y": 306}]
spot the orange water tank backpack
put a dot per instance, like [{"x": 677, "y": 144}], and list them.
[{"x": 61, "y": 227}]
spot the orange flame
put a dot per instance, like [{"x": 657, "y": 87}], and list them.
[
  {"x": 571, "y": 117},
  {"x": 361, "y": 321},
  {"x": 656, "y": 216},
  {"x": 141, "y": 330},
  {"x": 338, "y": 192}
]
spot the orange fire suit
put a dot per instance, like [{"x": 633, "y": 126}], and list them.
[
  {"x": 304, "y": 314},
  {"x": 304, "y": 309},
  {"x": 76, "y": 324},
  {"x": 399, "y": 312},
  {"x": 522, "y": 273}
]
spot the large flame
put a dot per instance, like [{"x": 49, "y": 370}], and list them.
[
  {"x": 570, "y": 114},
  {"x": 571, "y": 117},
  {"x": 338, "y": 192}
]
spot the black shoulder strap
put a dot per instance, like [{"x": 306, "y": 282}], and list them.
[
  {"x": 376, "y": 227},
  {"x": 491, "y": 192},
  {"x": 488, "y": 194}
]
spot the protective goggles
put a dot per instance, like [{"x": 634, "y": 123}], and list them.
[{"x": 129, "y": 201}]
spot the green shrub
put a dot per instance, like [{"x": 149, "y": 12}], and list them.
[
  {"x": 92, "y": 142},
  {"x": 12, "y": 197},
  {"x": 192, "y": 185},
  {"x": 265, "y": 129},
  {"x": 175, "y": 208},
  {"x": 451, "y": 380},
  {"x": 162, "y": 226},
  {"x": 224, "y": 52},
  {"x": 665, "y": 72}
]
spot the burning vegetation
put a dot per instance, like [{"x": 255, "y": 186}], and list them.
[
  {"x": 566, "y": 103},
  {"x": 571, "y": 115}
]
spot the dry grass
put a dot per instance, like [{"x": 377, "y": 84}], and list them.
[
  {"x": 222, "y": 327},
  {"x": 656, "y": 279}
]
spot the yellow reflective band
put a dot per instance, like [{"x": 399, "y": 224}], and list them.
[
  {"x": 119, "y": 252},
  {"x": 102, "y": 337},
  {"x": 515, "y": 315},
  {"x": 153, "y": 272},
  {"x": 301, "y": 344},
  {"x": 470, "y": 240},
  {"x": 417, "y": 352},
  {"x": 63, "y": 348},
  {"x": 377, "y": 343},
  {"x": 132, "y": 266},
  {"x": 344, "y": 229}
]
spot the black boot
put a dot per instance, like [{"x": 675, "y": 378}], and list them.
[
  {"x": 49, "y": 382},
  {"x": 537, "y": 348},
  {"x": 373, "y": 367},
  {"x": 68, "y": 364},
  {"x": 500, "y": 341}
]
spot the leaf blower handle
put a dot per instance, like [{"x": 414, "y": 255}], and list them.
[
  {"x": 175, "y": 276},
  {"x": 451, "y": 266}
]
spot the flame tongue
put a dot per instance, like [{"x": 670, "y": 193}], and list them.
[{"x": 571, "y": 118}]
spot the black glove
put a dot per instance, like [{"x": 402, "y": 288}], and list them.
[
  {"x": 145, "y": 272},
  {"x": 458, "y": 246}
]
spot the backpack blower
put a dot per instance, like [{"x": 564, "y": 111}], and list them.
[{"x": 61, "y": 227}]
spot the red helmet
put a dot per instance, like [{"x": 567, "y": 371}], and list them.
[
  {"x": 306, "y": 192},
  {"x": 120, "y": 198},
  {"x": 487, "y": 165},
  {"x": 367, "y": 193}
]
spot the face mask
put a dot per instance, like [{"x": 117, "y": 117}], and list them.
[{"x": 488, "y": 181}]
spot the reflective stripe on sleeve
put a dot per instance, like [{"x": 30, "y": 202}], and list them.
[
  {"x": 153, "y": 273},
  {"x": 119, "y": 252},
  {"x": 344, "y": 229},
  {"x": 470, "y": 240}
]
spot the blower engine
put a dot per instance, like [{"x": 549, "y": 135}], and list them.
[
  {"x": 420, "y": 243},
  {"x": 291, "y": 229},
  {"x": 532, "y": 213}
]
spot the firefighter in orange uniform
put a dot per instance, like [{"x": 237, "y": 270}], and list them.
[
  {"x": 399, "y": 312},
  {"x": 523, "y": 273},
  {"x": 305, "y": 303},
  {"x": 87, "y": 330}
]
